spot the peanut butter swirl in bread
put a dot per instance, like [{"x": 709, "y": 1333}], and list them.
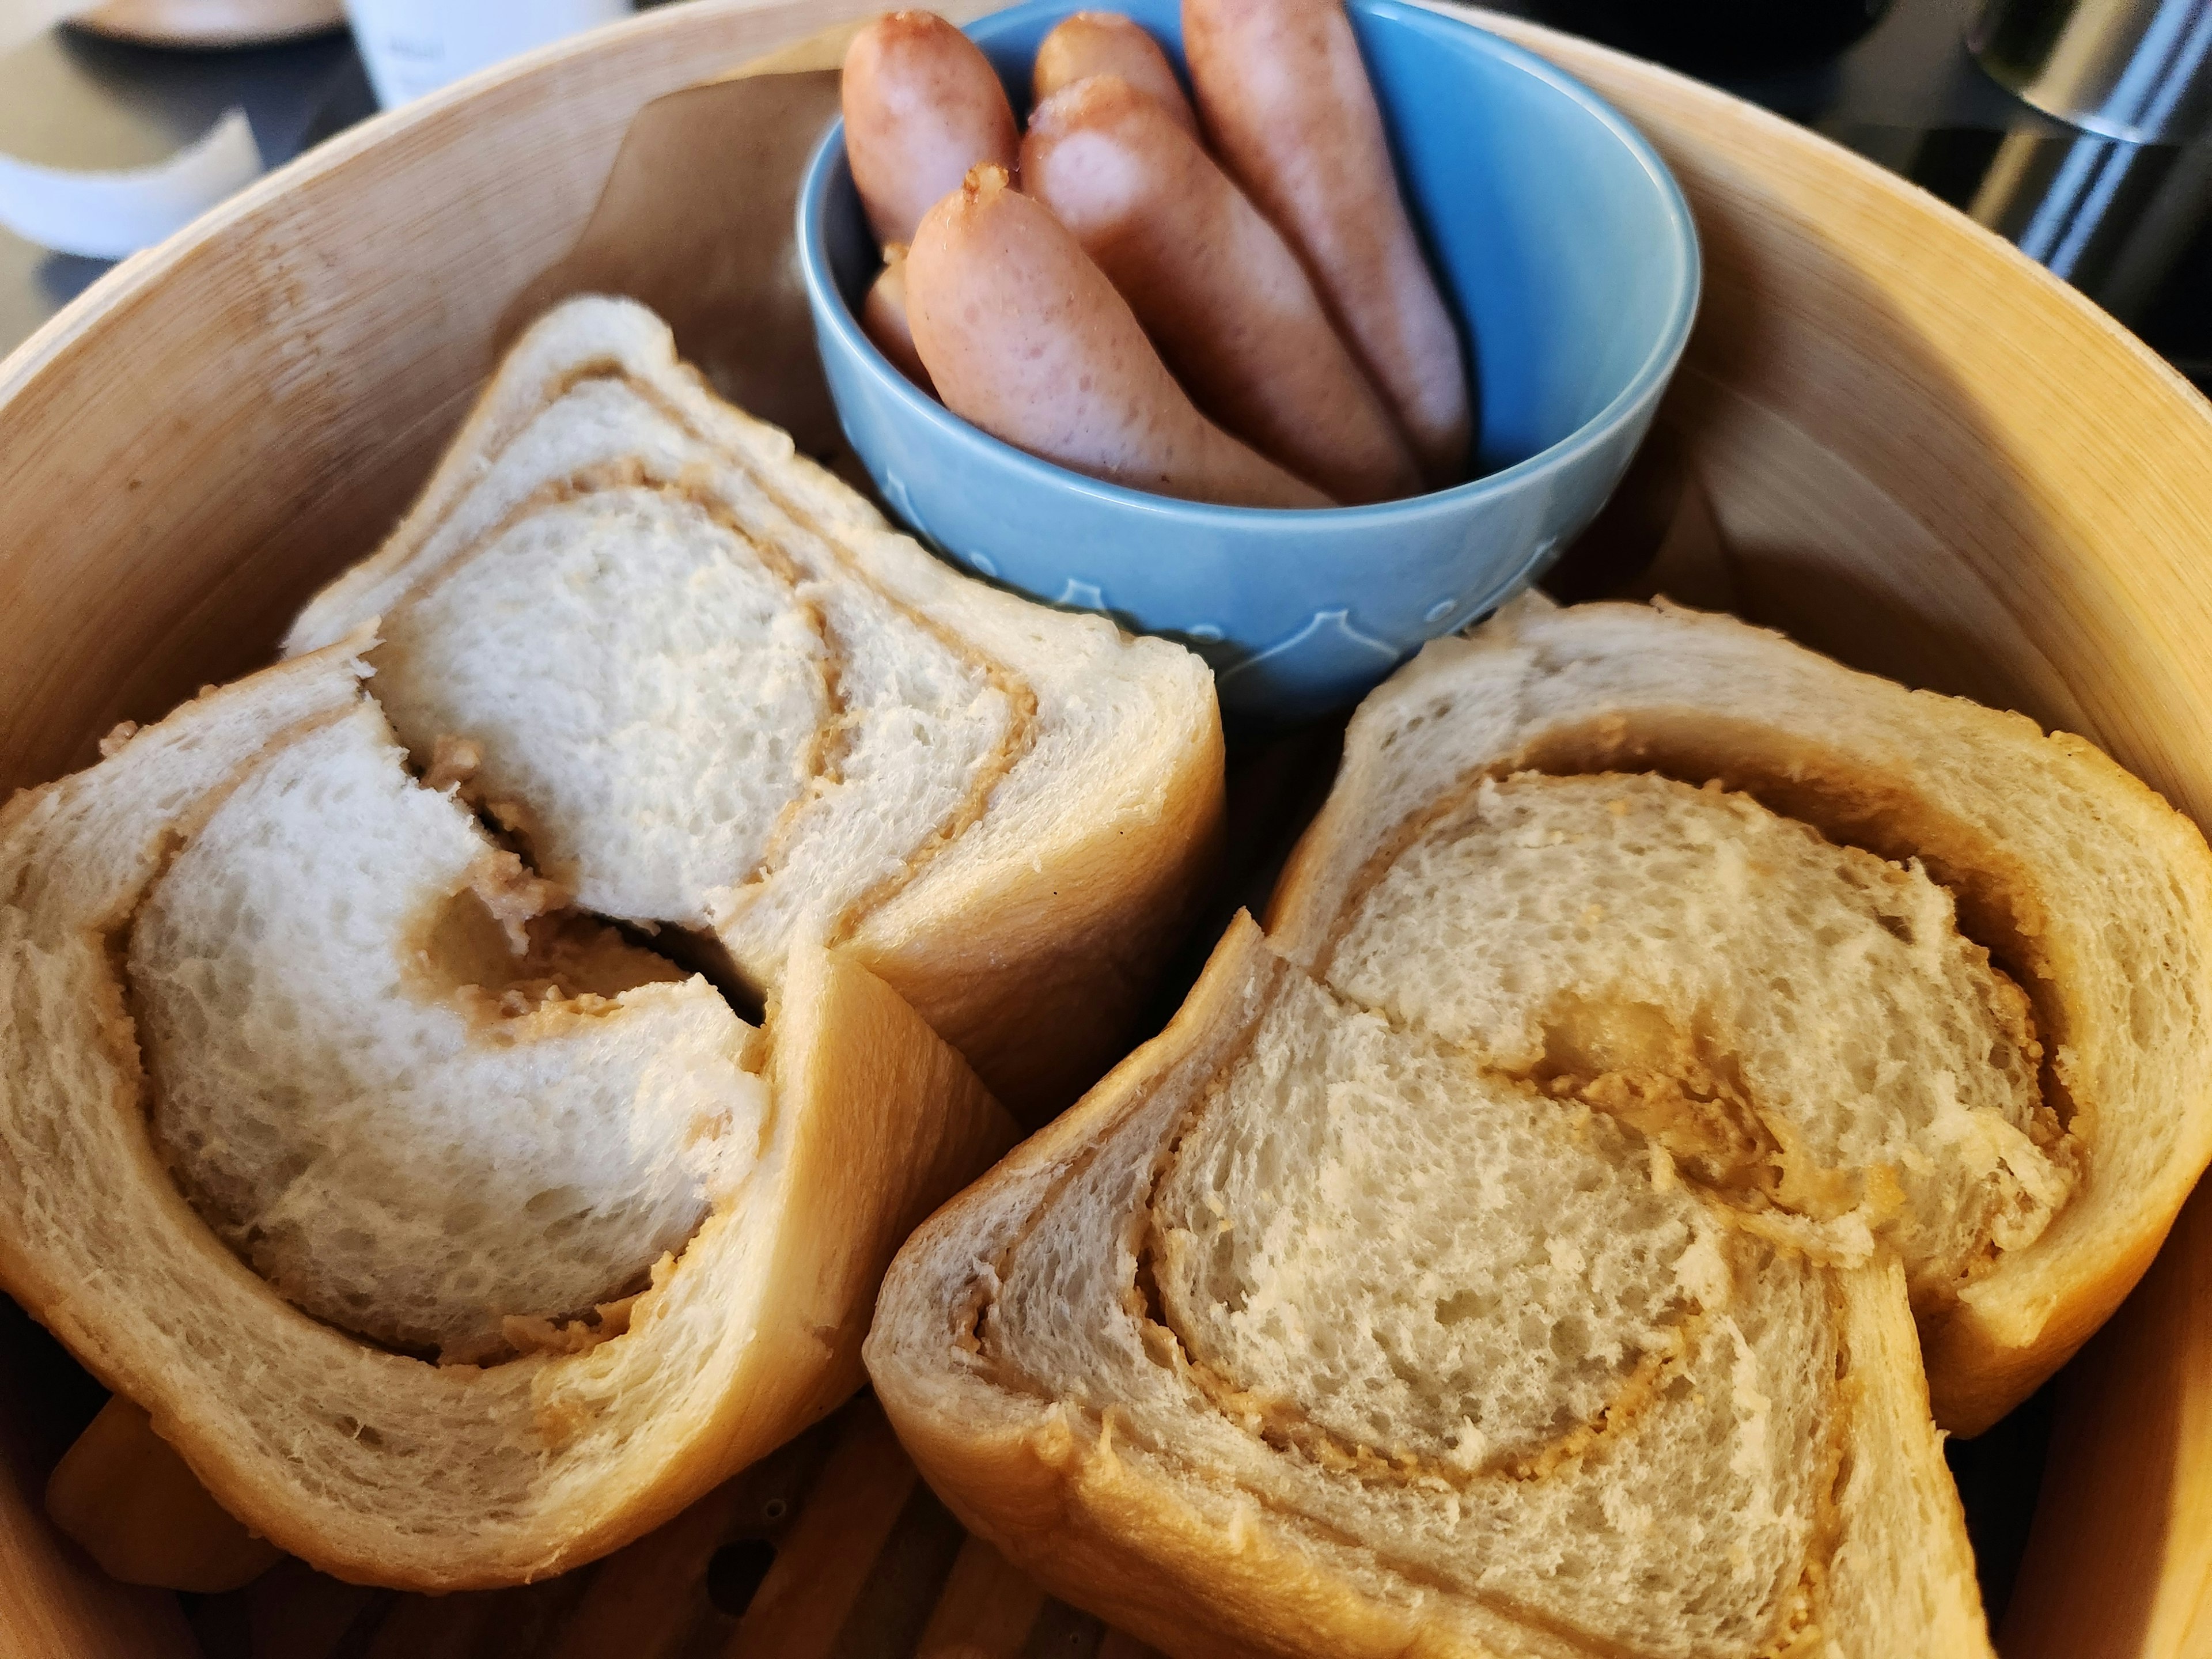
[
  {"x": 1529, "y": 1245},
  {"x": 1800, "y": 1025},
  {"x": 465, "y": 1081},
  {"x": 287, "y": 1118}
]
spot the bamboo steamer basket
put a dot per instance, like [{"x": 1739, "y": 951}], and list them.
[{"x": 1893, "y": 436}]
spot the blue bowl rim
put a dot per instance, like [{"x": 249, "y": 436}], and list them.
[{"x": 1649, "y": 377}]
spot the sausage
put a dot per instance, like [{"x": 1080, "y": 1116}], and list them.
[
  {"x": 922, "y": 105},
  {"x": 1107, "y": 43},
  {"x": 1216, "y": 287},
  {"x": 1024, "y": 337},
  {"x": 883, "y": 318},
  {"x": 1285, "y": 99}
]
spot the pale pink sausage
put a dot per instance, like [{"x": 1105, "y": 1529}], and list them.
[
  {"x": 1215, "y": 286},
  {"x": 1107, "y": 43},
  {"x": 1286, "y": 102},
  {"x": 1025, "y": 336},
  {"x": 883, "y": 318},
  {"x": 922, "y": 105}
]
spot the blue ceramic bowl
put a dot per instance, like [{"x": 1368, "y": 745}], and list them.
[{"x": 1564, "y": 247}]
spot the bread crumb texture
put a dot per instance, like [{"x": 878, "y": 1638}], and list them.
[
  {"x": 1487, "y": 1329},
  {"x": 1800, "y": 1025},
  {"x": 700, "y": 683},
  {"x": 399, "y": 1160},
  {"x": 650, "y": 668}
]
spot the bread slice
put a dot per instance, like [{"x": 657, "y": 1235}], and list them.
[
  {"x": 261, "y": 1009},
  {"x": 1303, "y": 1335},
  {"x": 2088, "y": 892},
  {"x": 709, "y": 688}
]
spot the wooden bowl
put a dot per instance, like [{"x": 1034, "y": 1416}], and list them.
[{"x": 1902, "y": 441}]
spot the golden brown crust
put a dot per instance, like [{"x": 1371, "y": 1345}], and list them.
[
  {"x": 1039, "y": 989},
  {"x": 1976, "y": 1374},
  {"x": 1072, "y": 1512}
]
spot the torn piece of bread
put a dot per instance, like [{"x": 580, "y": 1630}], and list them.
[
  {"x": 659, "y": 1230},
  {"x": 707, "y": 687},
  {"x": 2087, "y": 891},
  {"x": 1303, "y": 1335}
]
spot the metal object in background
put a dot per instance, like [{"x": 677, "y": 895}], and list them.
[
  {"x": 2139, "y": 70},
  {"x": 2110, "y": 218}
]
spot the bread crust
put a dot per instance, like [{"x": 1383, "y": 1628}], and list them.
[
  {"x": 1044, "y": 981},
  {"x": 2076, "y": 876}
]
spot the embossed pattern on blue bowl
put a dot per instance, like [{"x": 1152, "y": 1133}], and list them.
[{"x": 1567, "y": 251}]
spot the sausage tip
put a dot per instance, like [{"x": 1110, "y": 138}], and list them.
[{"x": 984, "y": 180}]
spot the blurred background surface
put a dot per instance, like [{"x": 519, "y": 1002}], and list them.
[{"x": 2130, "y": 222}]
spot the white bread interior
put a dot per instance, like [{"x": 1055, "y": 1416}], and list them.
[
  {"x": 2089, "y": 892},
  {"x": 1168, "y": 1357},
  {"x": 1799, "y": 1024},
  {"x": 839, "y": 1125},
  {"x": 770, "y": 705},
  {"x": 394, "y": 1150}
]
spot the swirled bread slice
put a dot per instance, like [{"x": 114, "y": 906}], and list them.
[
  {"x": 1517, "y": 1251},
  {"x": 306, "y": 1086},
  {"x": 707, "y": 687},
  {"x": 2024, "y": 1215},
  {"x": 1305, "y": 1335}
]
